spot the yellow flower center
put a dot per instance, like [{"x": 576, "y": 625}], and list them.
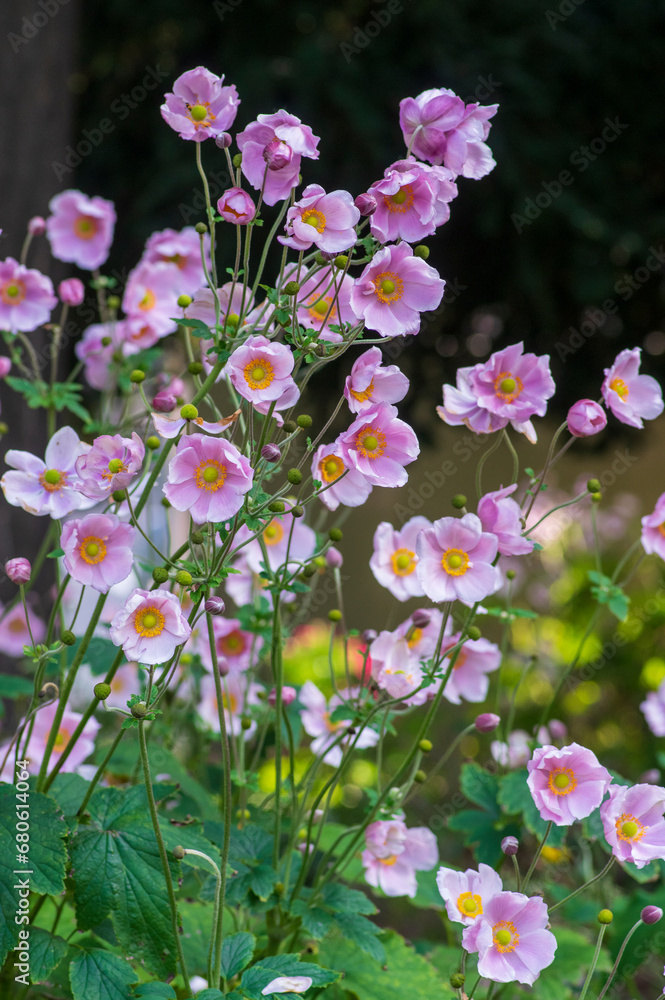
[
  {"x": 53, "y": 480},
  {"x": 413, "y": 637},
  {"x": 210, "y": 475},
  {"x": 148, "y": 300},
  {"x": 366, "y": 394},
  {"x": 201, "y": 114},
  {"x": 314, "y": 218},
  {"x": 232, "y": 644},
  {"x": 403, "y": 562},
  {"x": 388, "y": 286},
  {"x": 178, "y": 259},
  {"x": 562, "y": 781},
  {"x": 388, "y": 861},
  {"x": 61, "y": 740},
  {"x": 149, "y": 622},
  {"x": 274, "y": 533},
  {"x": 331, "y": 468},
  {"x": 116, "y": 465},
  {"x": 469, "y": 905},
  {"x": 371, "y": 442},
  {"x": 620, "y": 388},
  {"x": 455, "y": 562},
  {"x": 505, "y": 936},
  {"x": 259, "y": 373},
  {"x": 628, "y": 827},
  {"x": 508, "y": 387},
  {"x": 85, "y": 227},
  {"x": 92, "y": 550},
  {"x": 401, "y": 201},
  {"x": 13, "y": 293}
]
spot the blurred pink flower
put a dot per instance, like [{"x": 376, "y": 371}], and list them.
[
  {"x": 653, "y": 529},
  {"x": 80, "y": 229},
  {"x": 14, "y": 634},
  {"x": 393, "y": 854},
  {"x": 315, "y": 718},
  {"x": 71, "y": 291},
  {"x": 475, "y": 660},
  {"x": 26, "y": 297},
  {"x": 653, "y": 709},
  {"x": 500, "y": 515},
  {"x": 630, "y": 396},
  {"x": 183, "y": 250}
]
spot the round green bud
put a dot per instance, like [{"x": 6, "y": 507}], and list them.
[
  {"x": 3, "y": 428},
  {"x": 421, "y": 251},
  {"x": 102, "y": 691},
  {"x": 593, "y": 486},
  {"x": 294, "y": 476},
  {"x": 160, "y": 574},
  {"x": 290, "y": 426},
  {"x": 335, "y": 615},
  {"x": 341, "y": 260},
  {"x": 106, "y": 341},
  {"x": 243, "y": 814},
  {"x": 237, "y": 160},
  {"x": 184, "y": 301},
  {"x": 118, "y": 357},
  {"x": 201, "y": 228},
  {"x": 119, "y": 495},
  {"x": 113, "y": 302},
  {"x": 67, "y": 638},
  {"x": 596, "y": 497},
  {"x": 279, "y": 888},
  {"x": 320, "y": 562},
  {"x": 291, "y": 288},
  {"x": 188, "y": 412},
  {"x": 179, "y": 853},
  {"x": 194, "y": 367},
  {"x": 458, "y": 501},
  {"x": 457, "y": 980},
  {"x": 320, "y": 259},
  {"x": 184, "y": 578},
  {"x": 302, "y": 833},
  {"x": 198, "y": 537},
  {"x": 137, "y": 376},
  {"x": 425, "y": 746},
  {"x": 153, "y": 442},
  {"x": 297, "y": 511},
  {"x": 140, "y": 710},
  {"x": 473, "y": 632},
  {"x": 304, "y": 420},
  {"x": 335, "y": 534},
  {"x": 246, "y": 724},
  {"x": 605, "y": 917},
  {"x": 419, "y": 777},
  {"x": 309, "y": 571},
  {"x": 511, "y": 574},
  {"x": 277, "y": 506}
]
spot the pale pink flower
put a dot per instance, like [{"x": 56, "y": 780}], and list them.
[
  {"x": 315, "y": 718},
  {"x": 208, "y": 477},
  {"x": 235, "y": 648},
  {"x": 653, "y": 529},
  {"x": 283, "y": 536},
  {"x": 98, "y": 550},
  {"x": 288, "y": 984},
  {"x": 439, "y": 127},
  {"x": 630, "y": 396},
  {"x": 126, "y": 682},
  {"x": 96, "y": 349},
  {"x": 455, "y": 560},
  {"x": 515, "y": 753},
  {"x": 183, "y": 250},
  {"x": 475, "y": 660},
  {"x": 260, "y": 370},
  {"x": 396, "y": 657},
  {"x": 500, "y": 515},
  {"x": 412, "y": 200},
  {"x": 511, "y": 938},
  {"x": 324, "y": 220},
  {"x": 634, "y": 823},
  {"x": 394, "y": 559},
  {"x": 43, "y": 723},
  {"x": 653, "y": 709},
  {"x": 372, "y": 382},
  {"x": 80, "y": 229},
  {"x": 324, "y": 301},
  {"x": 150, "y": 626},
  {"x": 14, "y": 632},
  {"x": 231, "y": 304},
  {"x": 150, "y": 298},
  {"x": 393, "y": 854},
  {"x": 586, "y": 418},
  {"x": 379, "y": 445},
  {"x": 26, "y": 297},
  {"x": 467, "y": 893},
  {"x": 239, "y": 694},
  {"x": 394, "y": 289},
  {"x": 279, "y": 177},
  {"x": 200, "y": 106},
  {"x": 50, "y": 487},
  {"x": 327, "y": 467},
  {"x": 169, "y": 427},
  {"x": 566, "y": 784},
  {"x": 236, "y": 206},
  {"x": 109, "y": 465}
]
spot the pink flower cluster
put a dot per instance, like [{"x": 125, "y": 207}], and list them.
[{"x": 393, "y": 854}]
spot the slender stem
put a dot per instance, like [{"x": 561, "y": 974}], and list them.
[
  {"x": 277, "y": 677},
  {"x": 596, "y": 878},
  {"x": 594, "y": 961},
  {"x": 511, "y": 449},
  {"x": 162, "y": 853},
  {"x": 618, "y": 959},
  {"x": 536, "y": 856},
  {"x": 100, "y": 770},
  {"x": 518, "y": 875}
]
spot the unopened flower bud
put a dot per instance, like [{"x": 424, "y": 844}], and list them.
[
  {"x": 246, "y": 724},
  {"x": 101, "y": 691},
  {"x": 558, "y": 729},
  {"x": 473, "y": 632},
  {"x": 593, "y": 486},
  {"x": 297, "y": 511},
  {"x": 605, "y": 917},
  {"x": 179, "y": 853},
  {"x": 36, "y": 226},
  {"x": 223, "y": 140},
  {"x": 425, "y": 746},
  {"x": 421, "y": 251},
  {"x": 294, "y": 476},
  {"x": 68, "y": 638},
  {"x": 288, "y": 696},
  {"x": 277, "y": 154},
  {"x": 277, "y": 506},
  {"x": 369, "y": 635},
  {"x": 586, "y": 418},
  {"x": 71, "y": 291},
  {"x": 201, "y": 228},
  {"x": 290, "y": 426},
  {"x": 334, "y": 558},
  {"x": 420, "y": 777},
  {"x": 304, "y": 420},
  {"x": 335, "y": 615},
  {"x": 160, "y": 574},
  {"x": 188, "y": 412},
  {"x": 164, "y": 401},
  {"x": 198, "y": 537},
  {"x": 457, "y": 980},
  {"x": 18, "y": 570},
  {"x": 137, "y": 376},
  {"x": 291, "y": 288},
  {"x": 215, "y": 606},
  {"x": 651, "y": 914},
  {"x": 184, "y": 578},
  {"x": 510, "y": 846},
  {"x": 335, "y": 535},
  {"x": 5, "y": 366},
  {"x": 184, "y": 301},
  {"x": 140, "y": 710},
  {"x": 596, "y": 497},
  {"x": 270, "y": 452},
  {"x": 322, "y": 258},
  {"x": 195, "y": 367},
  {"x": 459, "y": 501},
  {"x": 341, "y": 260},
  {"x": 152, "y": 442},
  {"x": 487, "y": 722},
  {"x": 3, "y": 427},
  {"x": 510, "y": 574},
  {"x": 366, "y": 204},
  {"x": 236, "y": 206},
  {"x": 421, "y": 618},
  {"x": 113, "y": 302}
]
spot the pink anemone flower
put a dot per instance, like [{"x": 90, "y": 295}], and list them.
[
  {"x": 238, "y": 695},
  {"x": 372, "y": 382},
  {"x": 235, "y": 648},
  {"x": 586, "y": 418},
  {"x": 26, "y": 297},
  {"x": 150, "y": 626},
  {"x": 109, "y": 465},
  {"x": 411, "y": 201},
  {"x": 500, "y": 515},
  {"x": 467, "y": 893},
  {"x": 98, "y": 550},
  {"x": 324, "y": 301},
  {"x": 653, "y": 529},
  {"x": 394, "y": 559},
  {"x": 183, "y": 251},
  {"x": 379, "y": 445},
  {"x": 566, "y": 784},
  {"x": 14, "y": 631},
  {"x": 324, "y": 220},
  {"x": 394, "y": 289},
  {"x": 439, "y": 127},
  {"x": 200, "y": 106},
  {"x": 315, "y": 718},
  {"x": 475, "y": 660},
  {"x": 634, "y": 823},
  {"x": 393, "y": 854},
  {"x": 630, "y": 396},
  {"x": 511, "y": 938},
  {"x": 260, "y": 370},
  {"x": 150, "y": 297},
  {"x": 275, "y": 175},
  {"x": 80, "y": 229},
  {"x": 328, "y": 467},
  {"x": 43, "y": 723},
  {"x": 51, "y": 486},
  {"x": 456, "y": 558},
  {"x": 208, "y": 477},
  {"x": 653, "y": 709}
]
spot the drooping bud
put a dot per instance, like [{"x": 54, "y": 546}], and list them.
[
  {"x": 487, "y": 722},
  {"x": 457, "y": 980},
  {"x": 421, "y": 618},
  {"x": 36, "y": 226},
  {"x": 18, "y": 570},
  {"x": 49, "y": 692},
  {"x": 270, "y": 452},
  {"x": 277, "y": 154},
  {"x": 223, "y": 140},
  {"x": 164, "y": 401},
  {"x": 510, "y": 846},
  {"x": 651, "y": 914},
  {"x": 71, "y": 291},
  {"x": 366, "y": 204},
  {"x": 334, "y": 558},
  {"x": 215, "y": 606},
  {"x": 179, "y": 853}
]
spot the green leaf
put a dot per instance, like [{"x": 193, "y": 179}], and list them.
[
  {"x": 99, "y": 974},
  {"x": 55, "y": 554},
  {"x": 46, "y": 952},
  {"x": 237, "y": 951},
  {"x": 254, "y": 980},
  {"x": 117, "y": 870},
  {"x": 47, "y": 851},
  {"x": 155, "y": 990},
  {"x": 68, "y": 790},
  {"x": 480, "y": 834},
  {"x": 480, "y": 787},
  {"x": 404, "y": 973},
  {"x": 344, "y": 900},
  {"x": 213, "y": 994},
  {"x": 100, "y": 654},
  {"x": 14, "y": 687},
  {"x": 618, "y": 603},
  {"x": 196, "y": 326}
]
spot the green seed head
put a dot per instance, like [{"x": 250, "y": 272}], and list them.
[
  {"x": 425, "y": 746},
  {"x": 459, "y": 501},
  {"x": 290, "y": 426},
  {"x": 179, "y": 853},
  {"x": 291, "y": 288},
  {"x": 188, "y": 412},
  {"x": 194, "y": 367},
  {"x": 160, "y": 574},
  {"x": 593, "y": 486},
  {"x": 198, "y": 538},
  {"x": 68, "y": 638},
  {"x": 473, "y": 632},
  {"x": 605, "y": 917},
  {"x": 137, "y": 376},
  {"x": 421, "y": 251},
  {"x": 294, "y": 476},
  {"x": 304, "y": 420},
  {"x": 119, "y": 495},
  {"x": 335, "y": 534},
  {"x": 298, "y": 510},
  {"x": 341, "y": 260},
  {"x": 201, "y": 228},
  {"x": 102, "y": 691},
  {"x": 277, "y": 506},
  {"x": 335, "y": 615},
  {"x": 184, "y": 301},
  {"x": 153, "y": 442},
  {"x": 183, "y": 578},
  {"x": 140, "y": 710}
]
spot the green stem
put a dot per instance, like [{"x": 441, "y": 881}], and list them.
[
  {"x": 596, "y": 878},
  {"x": 100, "y": 770},
  {"x": 618, "y": 959},
  {"x": 277, "y": 677},
  {"x": 528, "y": 875},
  {"x": 594, "y": 961}
]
